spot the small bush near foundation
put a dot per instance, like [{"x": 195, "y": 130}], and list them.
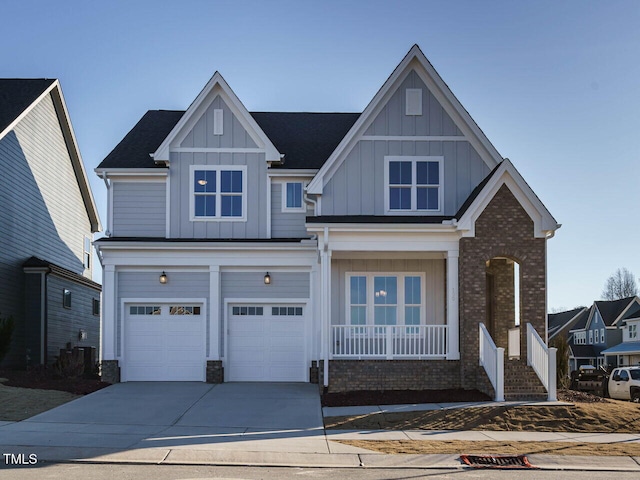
[{"x": 68, "y": 366}]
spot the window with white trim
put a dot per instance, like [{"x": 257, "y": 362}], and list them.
[
  {"x": 292, "y": 197},
  {"x": 218, "y": 192},
  {"x": 144, "y": 310},
  {"x": 590, "y": 337},
  {"x": 385, "y": 299},
  {"x": 633, "y": 331},
  {"x": 413, "y": 184},
  {"x": 596, "y": 336},
  {"x": 86, "y": 257},
  {"x": 602, "y": 335},
  {"x": 184, "y": 310}
]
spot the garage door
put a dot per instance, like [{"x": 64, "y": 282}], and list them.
[
  {"x": 164, "y": 342},
  {"x": 266, "y": 343}
]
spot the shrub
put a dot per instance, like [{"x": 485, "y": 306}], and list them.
[
  {"x": 68, "y": 366},
  {"x": 6, "y": 332},
  {"x": 562, "y": 361}
]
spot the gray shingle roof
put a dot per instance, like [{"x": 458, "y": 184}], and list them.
[
  {"x": 16, "y": 94},
  {"x": 306, "y": 139},
  {"x": 559, "y": 321},
  {"x": 611, "y": 310}
]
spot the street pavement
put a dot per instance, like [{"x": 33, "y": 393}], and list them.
[{"x": 256, "y": 424}]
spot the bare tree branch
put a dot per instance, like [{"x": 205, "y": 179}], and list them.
[{"x": 621, "y": 284}]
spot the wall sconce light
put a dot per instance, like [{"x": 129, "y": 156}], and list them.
[
  {"x": 163, "y": 278},
  {"x": 267, "y": 279},
  {"x": 82, "y": 335}
]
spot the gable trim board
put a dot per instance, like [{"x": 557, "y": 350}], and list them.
[
  {"x": 55, "y": 90},
  {"x": 414, "y": 60},
  {"x": 217, "y": 86}
]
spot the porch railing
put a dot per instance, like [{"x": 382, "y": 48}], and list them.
[
  {"x": 543, "y": 361},
  {"x": 492, "y": 359},
  {"x": 389, "y": 341}
]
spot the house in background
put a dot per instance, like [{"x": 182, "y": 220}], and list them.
[
  {"x": 598, "y": 331},
  {"x": 47, "y": 219},
  {"x": 364, "y": 251},
  {"x": 561, "y": 323},
  {"x": 627, "y": 353}
]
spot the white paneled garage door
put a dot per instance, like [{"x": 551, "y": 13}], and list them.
[
  {"x": 266, "y": 343},
  {"x": 164, "y": 342}
]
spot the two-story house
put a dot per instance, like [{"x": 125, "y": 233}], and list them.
[
  {"x": 598, "y": 331},
  {"x": 371, "y": 250},
  {"x": 627, "y": 353},
  {"x": 47, "y": 220}
]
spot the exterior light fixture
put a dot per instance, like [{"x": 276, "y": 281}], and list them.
[
  {"x": 163, "y": 278},
  {"x": 202, "y": 182},
  {"x": 267, "y": 279}
]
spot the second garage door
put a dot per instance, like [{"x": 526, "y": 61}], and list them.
[{"x": 266, "y": 343}]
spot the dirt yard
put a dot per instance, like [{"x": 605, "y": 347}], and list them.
[
  {"x": 611, "y": 416},
  {"x": 588, "y": 414}
]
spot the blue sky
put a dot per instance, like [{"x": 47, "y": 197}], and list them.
[{"x": 554, "y": 85}]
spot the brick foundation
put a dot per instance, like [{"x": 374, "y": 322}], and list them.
[
  {"x": 215, "y": 371},
  {"x": 351, "y": 375},
  {"x": 314, "y": 376},
  {"x": 110, "y": 371}
]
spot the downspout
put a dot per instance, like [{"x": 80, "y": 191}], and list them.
[
  {"x": 309, "y": 201},
  {"x": 45, "y": 316}
]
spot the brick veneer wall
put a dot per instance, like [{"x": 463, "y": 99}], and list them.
[
  {"x": 504, "y": 229},
  {"x": 504, "y": 295},
  {"x": 350, "y": 375},
  {"x": 110, "y": 371},
  {"x": 215, "y": 371}
]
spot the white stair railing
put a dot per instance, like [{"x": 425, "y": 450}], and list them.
[
  {"x": 543, "y": 361},
  {"x": 492, "y": 359}
]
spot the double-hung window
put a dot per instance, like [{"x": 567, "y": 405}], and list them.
[
  {"x": 385, "y": 299},
  {"x": 292, "y": 197},
  {"x": 218, "y": 192},
  {"x": 633, "y": 331},
  {"x": 413, "y": 184}
]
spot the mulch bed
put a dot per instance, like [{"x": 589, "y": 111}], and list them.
[
  {"x": 395, "y": 397},
  {"x": 46, "y": 380}
]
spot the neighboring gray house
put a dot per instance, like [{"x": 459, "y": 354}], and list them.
[
  {"x": 627, "y": 352},
  {"x": 372, "y": 250},
  {"x": 47, "y": 218},
  {"x": 598, "y": 330}
]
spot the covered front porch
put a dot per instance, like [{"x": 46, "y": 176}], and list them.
[{"x": 389, "y": 295}]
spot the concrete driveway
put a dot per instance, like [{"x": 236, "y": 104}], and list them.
[{"x": 181, "y": 415}]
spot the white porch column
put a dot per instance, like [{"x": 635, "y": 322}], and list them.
[
  {"x": 326, "y": 311},
  {"x": 453, "y": 350},
  {"x": 214, "y": 312},
  {"x": 109, "y": 313}
]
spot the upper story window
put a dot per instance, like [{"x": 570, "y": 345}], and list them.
[
  {"x": 597, "y": 336},
  {"x": 602, "y": 335},
  {"x": 218, "y": 192},
  {"x": 413, "y": 184},
  {"x": 292, "y": 197},
  {"x": 66, "y": 298},
  {"x": 86, "y": 257},
  {"x": 633, "y": 331},
  {"x": 590, "y": 337}
]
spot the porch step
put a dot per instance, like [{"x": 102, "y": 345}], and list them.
[{"x": 521, "y": 383}]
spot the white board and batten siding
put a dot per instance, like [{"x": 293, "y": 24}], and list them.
[
  {"x": 356, "y": 187},
  {"x": 286, "y": 224},
  {"x": 234, "y": 147},
  {"x": 139, "y": 209}
]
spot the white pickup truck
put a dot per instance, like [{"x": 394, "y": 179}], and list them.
[{"x": 624, "y": 384}]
